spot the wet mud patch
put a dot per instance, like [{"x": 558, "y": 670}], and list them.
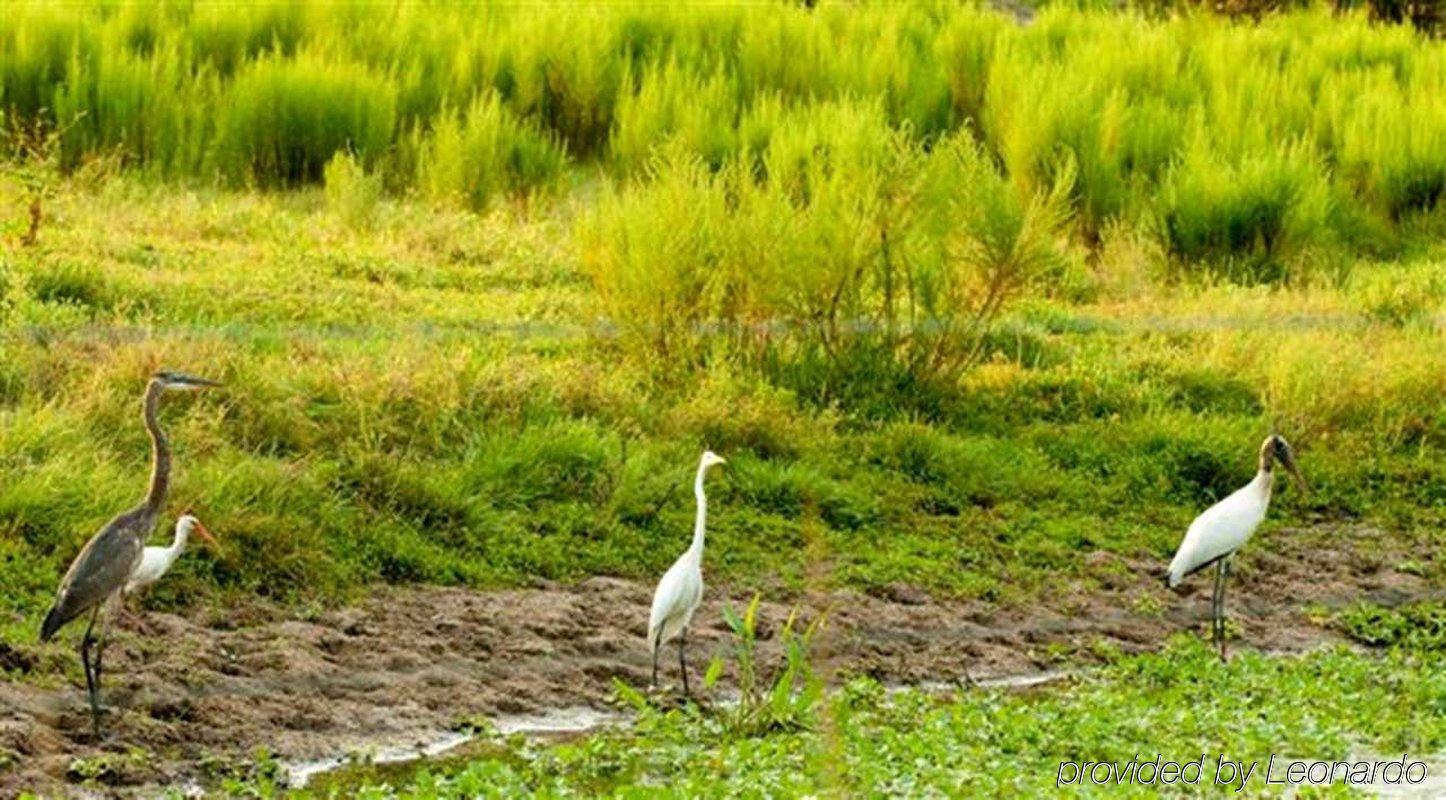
[{"x": 195, "y": 697}]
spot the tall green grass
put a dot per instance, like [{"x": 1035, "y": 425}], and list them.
[
  {"x": 382, "y": 421},
  {"x": 1312, "y": 110}
]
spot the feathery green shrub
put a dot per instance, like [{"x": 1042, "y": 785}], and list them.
[
  {"x": 836, "y": 248},
  {"x": 488, "y": 150}
]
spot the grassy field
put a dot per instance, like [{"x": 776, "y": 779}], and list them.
[
  {"x": 428, "y": 400},
  {"x": 964, "y": 303}
]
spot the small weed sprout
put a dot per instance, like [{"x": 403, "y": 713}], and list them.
[
  {"x": 769, "y": 700},
  {"x": 34, "y": 163}
]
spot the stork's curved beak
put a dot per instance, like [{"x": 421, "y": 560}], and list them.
[
  {"x": 206, "y": 536},
  {"x": 1288, "y": 459}
]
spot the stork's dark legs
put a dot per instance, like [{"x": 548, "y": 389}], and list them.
[
  {"x": 657, "y": 643},
  {"x": 1224, "y": 576},
  {"x": 683, "y": 661},
  {"x": 1215, "y": 608}
]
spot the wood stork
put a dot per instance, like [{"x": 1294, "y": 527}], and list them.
[
  {"x": 681, "y": 588},
  {"x": 1225, "y": 527},
  {"x": 156, "y": 561},
  {"x": 97, "y": 578}
]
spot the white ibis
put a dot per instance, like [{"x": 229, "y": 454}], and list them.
[
  {"x": 97, "y": 578},
  {"x": 156, "y": 561},
  {"x": 1225, "y": 527},
  {"x": 681, "y": 588}
]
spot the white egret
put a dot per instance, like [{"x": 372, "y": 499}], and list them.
[
  {"x": 156, "y": 561},
  {"x": 1225, "y": 527},
  {"x": 681, "y": 588}
]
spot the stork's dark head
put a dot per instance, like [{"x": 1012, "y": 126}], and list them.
[
  {"x": 181, "y": 381},
  {"x": 1276, "y": 448}
]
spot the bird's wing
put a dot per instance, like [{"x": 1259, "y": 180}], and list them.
[
  {"x": 671, "y": 597},
  {"x": 1217, "y": 532},
  {"x": 102, "y": 568}
]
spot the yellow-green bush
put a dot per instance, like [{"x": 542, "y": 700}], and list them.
[
  {"x": 836, "y": 244},
  {"x": 487, "y": 150}
]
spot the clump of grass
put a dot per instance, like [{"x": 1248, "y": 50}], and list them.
[
  {"x": 674, "y": 107},
  {"x": 351, "y": 193},
  {"x": 487, "y": 151},
  {"x": 286, "y": 118},
  {"x": 1401, "y": 297},
  {"x": 1249, "y": 220}
]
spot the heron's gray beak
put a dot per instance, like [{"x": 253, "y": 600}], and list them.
[{"x": 190, "y": 382}]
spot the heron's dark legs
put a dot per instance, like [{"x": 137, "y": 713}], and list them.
[
  {"x": 112, "y": 607},
  {"x": 91, "y": 678},
  {"x": 85, "y": 642},
  {"x": 683, "y": 661}
]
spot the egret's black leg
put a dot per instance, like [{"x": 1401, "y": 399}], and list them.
[{"x": 683, "y": 661}]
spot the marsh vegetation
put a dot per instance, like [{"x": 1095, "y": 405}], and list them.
[{"x": 976, "y": 309}]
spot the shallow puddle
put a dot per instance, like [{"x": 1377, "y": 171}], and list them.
[{"x": 558, "y": 722}]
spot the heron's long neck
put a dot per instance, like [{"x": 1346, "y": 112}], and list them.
[
  {"x": 701, "y": 523},
  {"x": 160, "y": 453}
]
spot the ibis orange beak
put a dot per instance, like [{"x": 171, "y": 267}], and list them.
[{"x": 206, "y": 535}]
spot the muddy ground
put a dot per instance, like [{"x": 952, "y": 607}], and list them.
[{"x": 195, "y": 694}]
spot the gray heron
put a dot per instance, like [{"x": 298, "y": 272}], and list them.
[{"x": 96, "y": 580}]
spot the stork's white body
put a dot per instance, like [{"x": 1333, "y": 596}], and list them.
[
  {"x": 681, "y": 589},
  {"x": 1224, "y": 528}
]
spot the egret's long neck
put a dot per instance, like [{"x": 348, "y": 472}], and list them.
[
  {"x": 701, "y": 523},
  {"x": 160, "y": 452}
]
